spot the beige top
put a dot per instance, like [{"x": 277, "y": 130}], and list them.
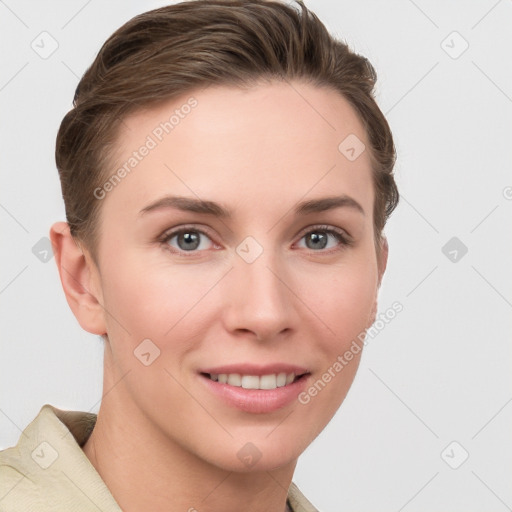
[{"x": 48, "y": 471}]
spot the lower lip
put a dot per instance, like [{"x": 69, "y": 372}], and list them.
[{"x": 257, "y": 400}]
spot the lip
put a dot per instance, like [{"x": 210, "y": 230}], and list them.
[
  {"x": 253, "y": 369},
  {"x": 256, "y": 401}
]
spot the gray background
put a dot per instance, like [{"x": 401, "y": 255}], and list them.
[{"x": 439, "y": 372}]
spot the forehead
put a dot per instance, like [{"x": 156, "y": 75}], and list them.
[{"x": 235, "y": 145}]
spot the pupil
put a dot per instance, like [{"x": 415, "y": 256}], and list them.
[
  {"x": 318, "y": 240},
  {"x": 191, "y": 241}
]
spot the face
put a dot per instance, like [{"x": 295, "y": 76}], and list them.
[{"x": 240, "y": 247}]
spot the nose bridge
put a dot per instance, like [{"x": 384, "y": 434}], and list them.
[{"x": 260, "y": 301}]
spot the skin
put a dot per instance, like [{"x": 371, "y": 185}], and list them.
[{"x": 162, "y": 441}]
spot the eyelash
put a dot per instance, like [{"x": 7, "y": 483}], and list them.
[{"x": 341, "y": 236}]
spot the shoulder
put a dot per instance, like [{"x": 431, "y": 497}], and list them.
[
  {"x": 298, "y": 502},
  {"x": 17, "y": 491},
  {"x": 47, "y": 470},
  {"x": 18, "y": 486}
]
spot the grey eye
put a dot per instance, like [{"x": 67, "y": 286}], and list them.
[
  {"x": 317, "y": 240},
  {"x": 188, "y": 240}
]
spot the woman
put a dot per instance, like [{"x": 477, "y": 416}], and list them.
[{"x": 227, "y": 176}]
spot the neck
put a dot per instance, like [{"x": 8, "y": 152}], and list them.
[{"x": 146, "y": 470}]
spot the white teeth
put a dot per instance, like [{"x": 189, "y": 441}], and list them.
[
  {"x": 234, "y": 379},
  {"x": 271, "y": 381},
  {"x": 281, "y": 379},
  {"x": 268, "y": 382},
  {"x": 250, "y": 382}
]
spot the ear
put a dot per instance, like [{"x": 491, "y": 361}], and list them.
[
  {"x": 382, "y": 257},
  {"x": 382, "y": 261},
  {"x": 80, "y": 279}
]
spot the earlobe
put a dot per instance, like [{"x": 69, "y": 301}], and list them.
[{"x": 79, "y": 278}]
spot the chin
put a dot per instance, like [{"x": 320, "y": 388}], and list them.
[{"x": 259, "y": 452}]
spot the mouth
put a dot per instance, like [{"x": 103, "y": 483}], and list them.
[
  {"x": 256, "y": 389},
  {"x": 262, "y": 382}
]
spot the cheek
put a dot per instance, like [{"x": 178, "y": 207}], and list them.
[
  {"x": 343, "y": 301},
  {"x": 343, "y": 298},
  {"x": 155, "y": 301}
]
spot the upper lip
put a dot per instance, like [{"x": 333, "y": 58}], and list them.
[{"x": 253, "y": 369}]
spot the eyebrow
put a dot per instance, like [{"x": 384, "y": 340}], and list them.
[{"x": 190, "y": 204}]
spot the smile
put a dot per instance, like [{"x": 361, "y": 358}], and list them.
[
  {"x": 256, "y": 389},
  {"x": 270, "y": 381}
]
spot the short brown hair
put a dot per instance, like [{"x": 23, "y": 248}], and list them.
[{"x": 166, "y": 52}]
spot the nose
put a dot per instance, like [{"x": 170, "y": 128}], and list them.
[{"x": 258, "y": 299}]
